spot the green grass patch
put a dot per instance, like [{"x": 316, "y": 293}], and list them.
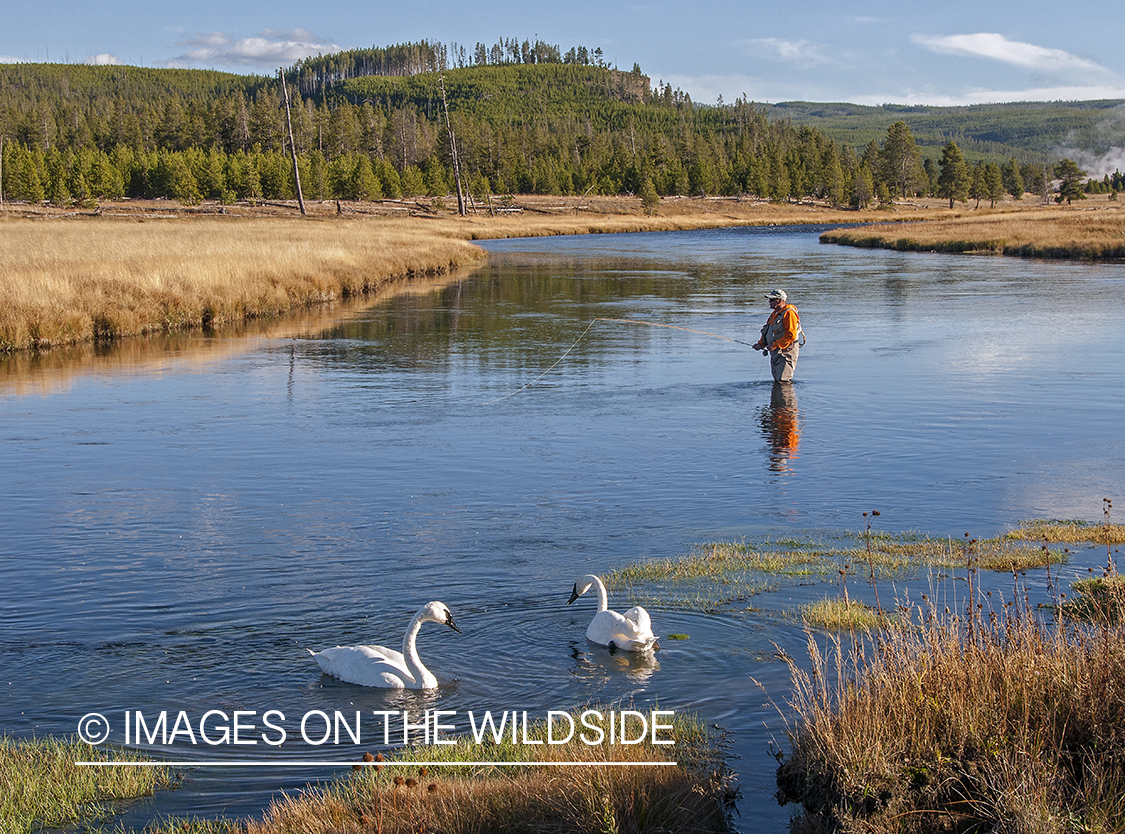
[
  {"x": 839, "y": 614},
  {"x": 718, "y": 575},
  {"x": 42, "y": 787}
]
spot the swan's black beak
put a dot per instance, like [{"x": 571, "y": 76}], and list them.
[
  {"x": 449, "y": 622},
  {"x": 573, "y": 595}
]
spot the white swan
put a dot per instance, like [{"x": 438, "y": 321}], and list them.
[
  {"x": 631, "y": 631},
  {"x": 383, "y": 667}
]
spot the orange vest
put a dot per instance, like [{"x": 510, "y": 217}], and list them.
[{"x": 782, "y": 327}]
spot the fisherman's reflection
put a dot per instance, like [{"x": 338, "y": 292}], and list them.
[{"x": 780, "y": 423}]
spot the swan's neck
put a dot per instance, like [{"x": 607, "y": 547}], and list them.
[
  {"x": 603, "y": 600},
  {"x": 410, "y": 651}
]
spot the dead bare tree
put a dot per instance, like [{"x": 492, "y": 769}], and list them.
[
  {"x": 292, "y": 147},
  {"x": 453, "y": 151}
]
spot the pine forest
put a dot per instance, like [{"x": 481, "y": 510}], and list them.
[{"x": 511, "y": 118}]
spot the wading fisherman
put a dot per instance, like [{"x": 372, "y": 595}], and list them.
[{"x": 781, "y": 336}]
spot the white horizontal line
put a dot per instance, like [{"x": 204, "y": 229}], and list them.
[{"x": 370, "y": 764}]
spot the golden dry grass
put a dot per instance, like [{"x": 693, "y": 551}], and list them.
[
  {"x": 141, "y": 267},
  {"x": 67, "y": 281},
  {"x": 839, "y": 614},
  {"x": 1068, "y": 531},
  {"x": 1080, "y": 233},
  {"x": 1000, "y": 723},
  {"x": 692, "y": 796}
]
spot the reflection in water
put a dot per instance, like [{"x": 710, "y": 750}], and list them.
[
  {"x": 780, "y": 423},
  {"x": 54, "y": 371},
  {"x": 600, "y": 663}
]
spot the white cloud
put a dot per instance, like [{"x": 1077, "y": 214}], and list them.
[
  {"x": 103, "y": 59},
  {"x": 801, "y": 52},
  {"x": 998, "y": 48},
  {"x": 269, "y": 50},
  {"x": 10, "y": 59}
]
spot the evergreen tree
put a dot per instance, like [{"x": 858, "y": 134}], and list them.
[
  {"x": 1071, "y": 175},
  {"x": 413, "y": 182},
  {"x": 977, "y": 189},
  {"x": 932, "y": 173},
  {"x": 863, "y": 189},
  {"x": 953, "y": 181},
  {"x": 1034, "y": 179},
  {"x": 883, "y": 195},
  {"x": 901, "y": 162},
  {"x": 1013, "y": 179},
  {"x": 993, "y": 183},
  {"x": 650, "y": 200}
]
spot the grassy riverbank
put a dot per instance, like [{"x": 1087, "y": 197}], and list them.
[
  {"x": 1092, "y": 232},
  {"x": 691, "y": 795},
  {"x": 571, "y": 795},
  {"x": 42, "y": 788},
  {"x": 70, "y": 277},
  {"x": 69, "y": 281},
  {"x": 1001, "y": 716},
  {"x": 959, "y": 723}
]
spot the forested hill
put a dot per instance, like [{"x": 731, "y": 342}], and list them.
[
  {"x": 988, "y": 130},
  {"x": 525, "y": 118}
]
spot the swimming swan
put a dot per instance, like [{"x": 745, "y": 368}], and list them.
[
  {"x": 631, "y": 631},
  {"x": 383, "y": 667}
]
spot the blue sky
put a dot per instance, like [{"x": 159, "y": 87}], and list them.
[{"x": 872, "y": 52}]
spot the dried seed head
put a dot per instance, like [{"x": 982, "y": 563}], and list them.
[
  {"x": 399, "y": 780},
  {"x": 432, "y": 787},
  {"x": 411, "y": 783}
]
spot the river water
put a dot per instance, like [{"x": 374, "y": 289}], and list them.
[{"x": 183, "y": 519}]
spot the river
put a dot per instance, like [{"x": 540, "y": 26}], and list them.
[{"x": 184, "y": 518}]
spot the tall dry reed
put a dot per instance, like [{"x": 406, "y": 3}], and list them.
[{"x": 1005, "y": 722}]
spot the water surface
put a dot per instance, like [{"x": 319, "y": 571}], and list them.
[{"x": 181, "y": 524}]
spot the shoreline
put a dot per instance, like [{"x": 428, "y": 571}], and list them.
[
  {"x": 1069, "y": 233},
  {"x": 143, "y": 267}
]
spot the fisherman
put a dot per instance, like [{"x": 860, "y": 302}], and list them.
[{"x": 781, "y": 336}]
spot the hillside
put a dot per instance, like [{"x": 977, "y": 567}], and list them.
[
  {"x": 526, "y": 118},
  {"x": 1030, "y": 131}
]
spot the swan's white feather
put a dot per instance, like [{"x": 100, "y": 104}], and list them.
[
  {"x": 383, "y": 667},
  {"x": 631, "y": 631},
  {"x": 368, "y": 666}
]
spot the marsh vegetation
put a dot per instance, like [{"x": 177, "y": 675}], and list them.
[
  {"x": 1087, "y": 234},
  {"x": 44, "y": 788},
  {"x": 151, "y": 268},
  {"x": 975, "y": 719},
  {"x": 562, "y": 789}
]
